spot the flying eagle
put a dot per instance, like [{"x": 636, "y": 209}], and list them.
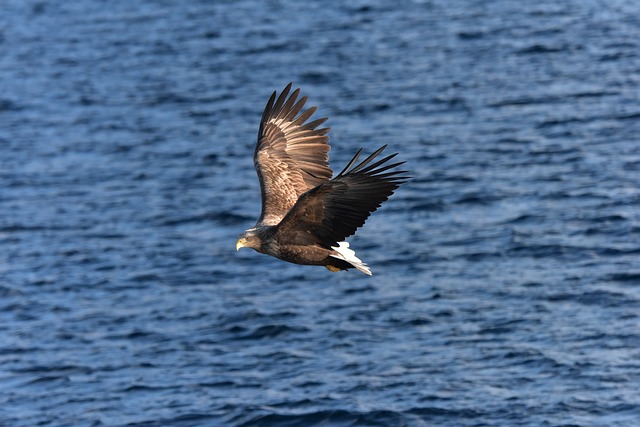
[{"x": 306, "y": 214}]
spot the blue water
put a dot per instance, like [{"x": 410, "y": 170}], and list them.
[{"x": 506, "y": 286}]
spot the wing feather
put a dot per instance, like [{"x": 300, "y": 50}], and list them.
[
  {"x": 291, "y": 157},
  {"x": 334, "y": 210}
]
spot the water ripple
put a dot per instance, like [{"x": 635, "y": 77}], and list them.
[{"x": 505, "y": 287}]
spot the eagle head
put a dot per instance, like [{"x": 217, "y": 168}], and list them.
[{"x": 248, "y": 239}]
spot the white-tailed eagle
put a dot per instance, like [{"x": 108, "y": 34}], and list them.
[{"x": 307, "y": 214}]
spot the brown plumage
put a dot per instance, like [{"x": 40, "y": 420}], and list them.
[{"x": 306, "y": 215}]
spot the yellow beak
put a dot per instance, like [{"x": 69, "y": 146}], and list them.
[{"x": 241, "y": 243}]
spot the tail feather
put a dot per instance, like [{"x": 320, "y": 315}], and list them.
[{"x": 344, "y": 253}]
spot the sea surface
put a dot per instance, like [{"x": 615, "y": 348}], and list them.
[{"x": 506, "y": 273}]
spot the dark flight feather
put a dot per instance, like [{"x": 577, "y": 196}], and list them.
[{"x": 335, "y": 209}]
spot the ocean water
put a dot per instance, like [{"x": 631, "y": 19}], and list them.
[{"x": 506, "y": 286}]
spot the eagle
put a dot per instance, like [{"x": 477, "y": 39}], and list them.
[{"x": 306, "y": 214}]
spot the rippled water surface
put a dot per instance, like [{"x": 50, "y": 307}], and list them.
[{"x": 506, "y": 286}]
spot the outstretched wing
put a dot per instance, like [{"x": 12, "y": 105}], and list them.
[
  {"x": 291, "y": 156},
  {"x": 334, "y": 211}
]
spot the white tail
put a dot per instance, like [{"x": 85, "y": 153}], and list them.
[{"x": 348, "y": 255}]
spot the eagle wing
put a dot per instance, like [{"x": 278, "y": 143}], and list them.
[
  {"x": 291, "y": 156},
  {"x": 334, "y": 210}
]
